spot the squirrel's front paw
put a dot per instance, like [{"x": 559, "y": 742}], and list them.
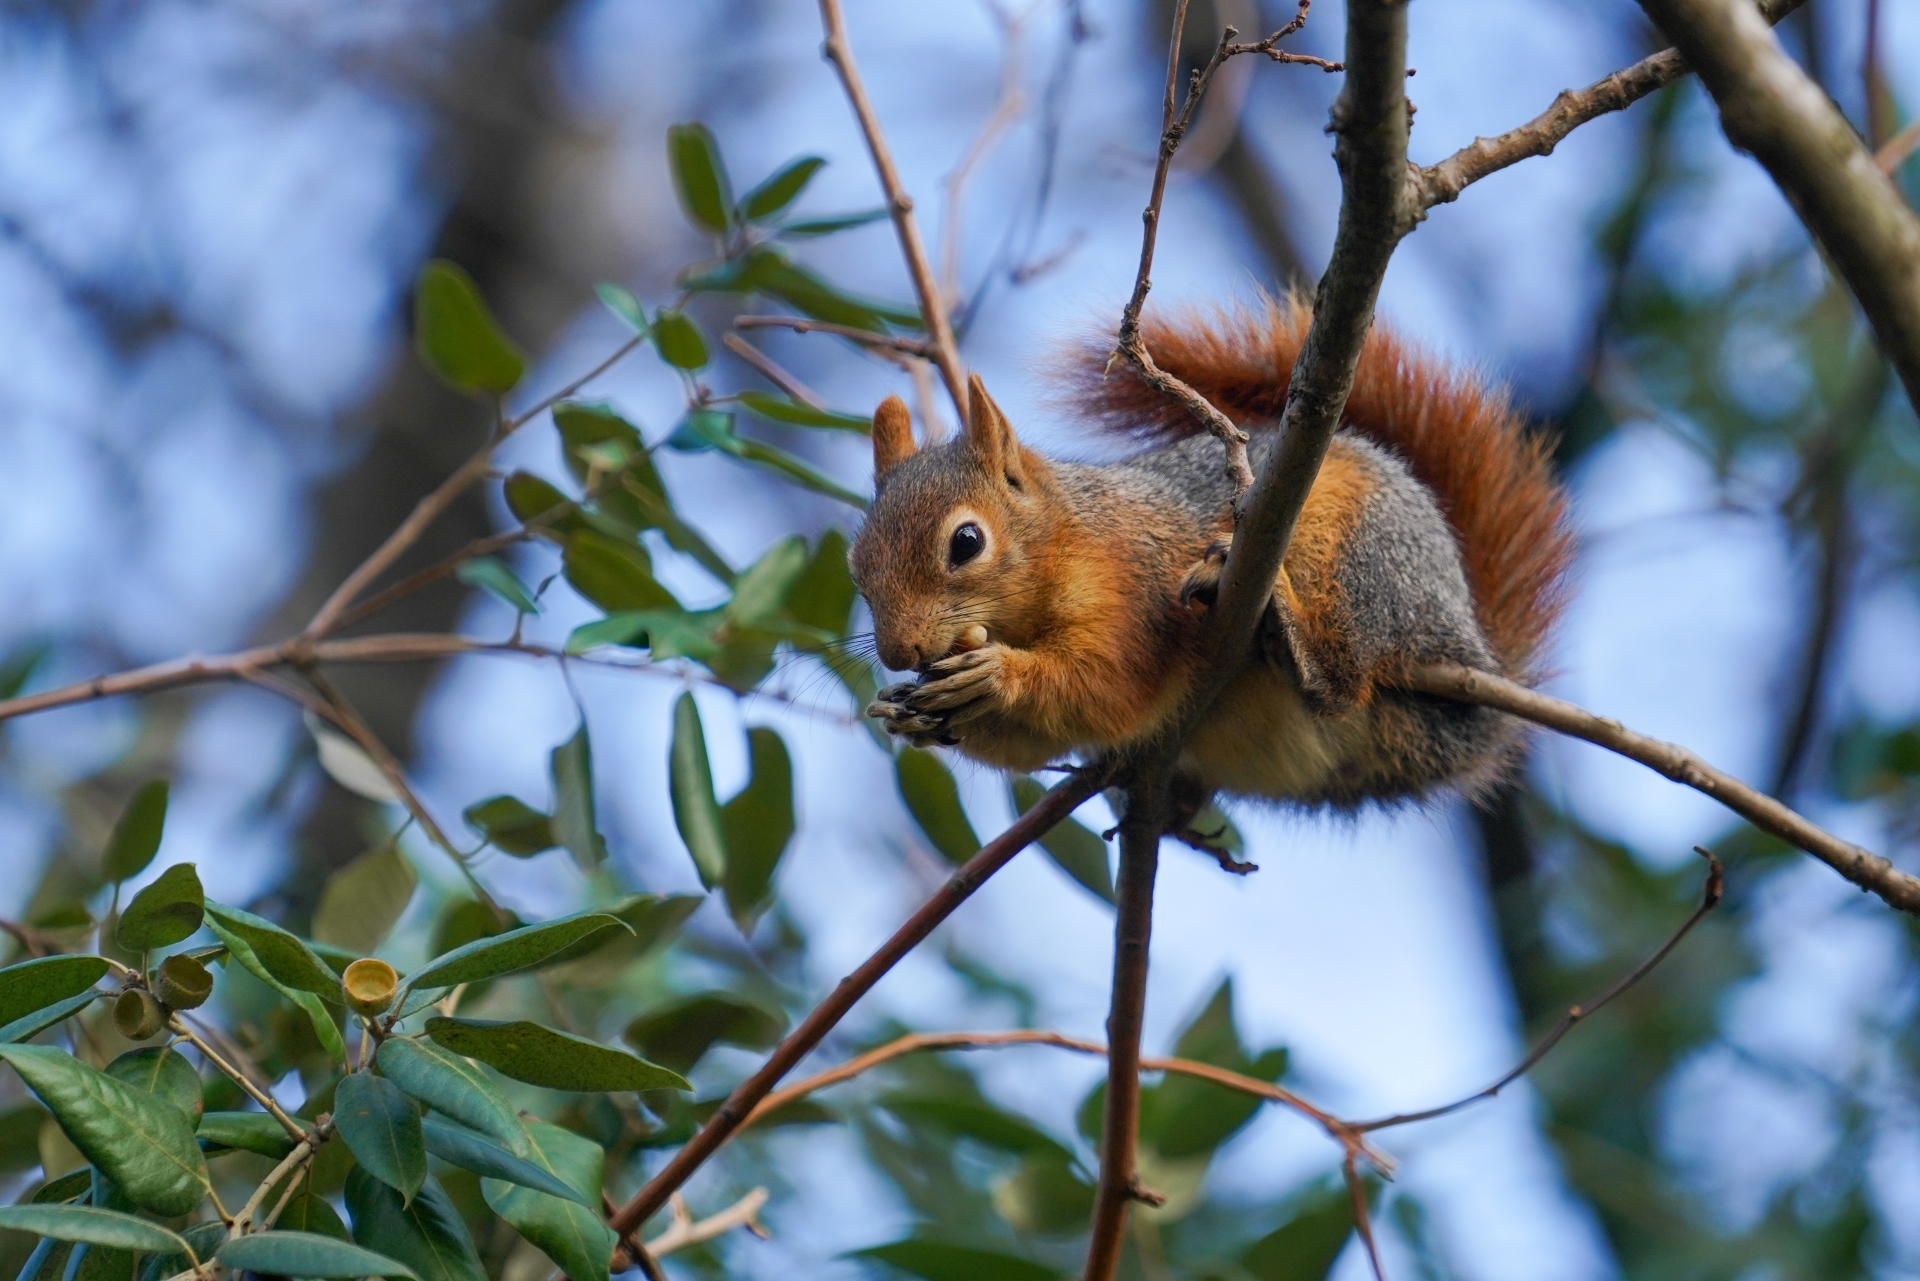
[
  {"x": 963, "y": 687},
  {"x": 1202, "y": 584},
  {"x": 891, "y": 709}
]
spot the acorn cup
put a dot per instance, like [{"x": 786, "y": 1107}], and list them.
[
  {"x": 370, "y": 986},
  {"x": 181, "y": 983},
  {"x": 138, "y": 1015}
]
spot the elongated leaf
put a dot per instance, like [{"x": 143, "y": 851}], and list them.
[
  {"x": 427, "y": 1234},
  {"x": 690, "y": 782},
  {"x": 1306, "y": 1247},
  {"x": 700, "y": 177},
  {"x": 619, "y": 300},
  {"x": 348, "y": 764},
  {"x": 938, "y": 1261},
  {"x": 28, "y": 1026},
  {"x": 17, "y": 667},
  {"x": 306, "y": 1254},
  {"x": 382, "y": 1130},
  {"x": 310, "y": 1213},
  {"x": 822, "y": 595},
  {"x": 538, "y": 504},
  {"x": 679, "y": 340},
  {"x": 1044, "y": 1194},
  {"x": 163, "y": 913},
  {"x": 448, "y": 1083},
  {"x": 457, "y": 335},
  {"x": 360, "y": 904},
  {"x": 202, "y": 1238},
  {"x": 654, "y": 920},
  {"x": 668, "y": 633},
  {"x": 780, "y": 190},
  {"x": 107, "y": 1228},
  {"x": 1074, "y": 848},
  {"x": 462, "y": 1147},
  {"x": 288, "y": 960},
  {"x": 575, "y": 824},
  {"x": 981, "y": 1122},
  {"x": 678, "y": 1034},
  {"x": 244, "y": 1132},
  {"x": 70, "y": 1186},
  {"x": 933, "y": 799},
  {"x": 136, "y": 837},
  {"x": 612, "y": 574},
  {"x": 827, "y": 226},
  {"x": 144, "y": 1144},
  {"x": 163, "y": 1072},
  {"x": 512, "y": 826},
  {"x": 516, "y": 950},
  {"x": 572, "y": 1236},
  {"x": 559, "y": 1061},
  {"x": 756, "y": 826},
  {"x": 760, "y": 592},
  {"x": 35, "y": 985},
  {"x": 491, "y": 574},
  {"x": 782, "y": 410},
  {"x": 323, "y": 1025},
  {"x": 711, "y": 429}
]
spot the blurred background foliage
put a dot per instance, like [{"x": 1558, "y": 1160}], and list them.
[{"x": 217, "y": 220}]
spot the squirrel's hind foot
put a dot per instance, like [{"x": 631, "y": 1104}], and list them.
[{"x": 1202, "y": 583}]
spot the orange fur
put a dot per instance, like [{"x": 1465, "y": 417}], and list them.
[{"x": 1460, "y": 438}]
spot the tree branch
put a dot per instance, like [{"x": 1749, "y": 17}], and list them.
[
  {"x": 943, "y": 351},
  {"x": 1868, "y": 871},
  {"x": 1443, "y": 182},
  {"x": 1772, "y": 110},
  {"x": 883, "y": 342}
]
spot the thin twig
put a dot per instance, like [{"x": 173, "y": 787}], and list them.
[
  {"x": 799, "y": 325},
  {"x": 1894, "y": 154},
  {"x": 686, "y": 1230},
  {"x": 1868, "y": 871},
  {"x": 294, "y": 1129},
  {"x": 434, "y": 573},
  {"x": 1709, "y": 899},
  {"x": 28, "y": 937},
  {"x": 772, "y": 371},
  {"x": 302, "y": 1153},
  {"x": 1008, "y": 107},
  {"x": 943, "y": 351},
  {"x": 1362, "y": 1215}
]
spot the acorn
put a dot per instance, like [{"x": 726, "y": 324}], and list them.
[
  {"x": 138, "y": 1015},
  {"x": 370, "y": 985},
  {"x": 181, "y": 983}
]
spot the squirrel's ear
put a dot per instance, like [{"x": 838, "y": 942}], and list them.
[
  {"x": 892, "y": 436},
  {"x": 991, "y": 435}
]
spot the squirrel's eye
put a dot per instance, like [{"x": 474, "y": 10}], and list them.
[{"x": 966, "y": 543}]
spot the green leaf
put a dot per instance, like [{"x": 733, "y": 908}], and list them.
[
  {"x": 571, "y": 1235},
  {"x": 323, "y": 1025},
  {"x": 136, "y": 837},
  {"x": 511, "y": 826},
  {"x": 574, "y": 823},
  {"x": 938, "y": 1261},
  {"x": 35, "y": 985},
  {"x": 144, "y": 1144},
  {"x": 654, "y": 920},
  {"x": 1074, "y": 848},
  {"x": 827, "y": 226},
  {"x": 164, "y": 913},
  {"x": 780, "y": 409},
  {"x": 29, "y": 1026},
  {"x": 979, "y": 1121},
  {"x": 360, "y": 904},
  {"x": 690, "y": 781},
  {"x": 462, "y": 1147},
  {"x": 255, "y": 1132},
  {"x": 531, "y": 499},
  {"x": 427, "y": 1234},
  {"x": 613, "y": 575},
  {"x": 1044, "y": 1194},
  {"x": 619, "y": 300},
  {"x": 490, "y": 573},
  {"x": 700, "y": 177},
  {"x": 288, "y": 960},
  {"x": 202, "y": 1238},
  {"x": 1307, "y": 1246},
  {"x": 756, "y": 826},
  {"x": 822, "y": 596},
  {"x": 1185, "y": 1116},
  {"x": 306, "y": 1254},
  {"x": 310, "y": 1213},
  {"x": 107, "y": 1228},
  {"x": 559, "y": 1061},
  {"x": 705, "y": 429},
  {"x": 678, "y": 1034},
  {"x": 933, "y": 798},
  {"x": 781, "y": 190},
  {"x": 668, "y": 633},
  {"x": 17, "y": 667},
  {"x": 650, "y": 503},
  {"x": 448, "y": 1083},
  {"x": 68, "y": 1187},
  {"x": 382, "y": 1130},
  {"x": 760, "y": 592},
  {"x": 457, "y": 335},
  {"x": 679, "y": 340},
  {"x": 162, "y": 1072},
  {"x": 516, "y": 950}
]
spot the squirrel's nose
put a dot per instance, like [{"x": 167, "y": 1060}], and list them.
[{"x": 901, "y": 655}]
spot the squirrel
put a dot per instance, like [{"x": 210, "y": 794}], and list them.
[{"x": 1052, "y": 608}]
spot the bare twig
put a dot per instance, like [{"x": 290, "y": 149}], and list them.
[
  {"x": 1443, "y": 182},
  {"x": 1897, "y": 148},
  {"x": 944, "y": 353},
  {"x": 1362, "y": 1216},
  {"x": 883, "y": 342},
  {"x": 294, "y": 1129},
  {"x": 1773, "y": 110},
  {"x": 302, "y": 1153},
  {"x": 1059, "y": 802},
  {"x": 1010, "y": 105},
  {"x": 772, "y": 371},
  {"x": 687, "y": 1230},
  {"x": 1709, "y": 899},
  {"x": 1868, "y": 871}
]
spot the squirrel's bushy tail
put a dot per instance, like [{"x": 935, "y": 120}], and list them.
[{"x": 1460, "y": 438}]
